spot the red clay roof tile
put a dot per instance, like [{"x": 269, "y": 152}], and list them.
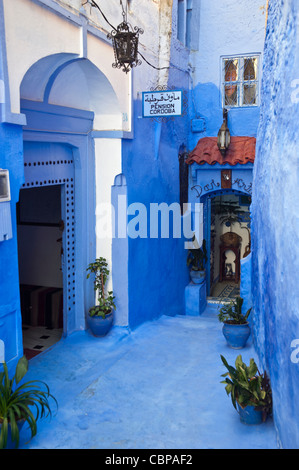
[{"x": 241, "y": 150}]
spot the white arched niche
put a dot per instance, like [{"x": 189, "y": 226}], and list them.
[{"x": 80, "y": 84}]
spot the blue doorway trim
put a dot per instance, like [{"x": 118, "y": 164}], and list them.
[{"x": 56, "y": 127}]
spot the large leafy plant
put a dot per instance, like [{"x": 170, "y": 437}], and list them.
[
  {"x": 105, "y": 300},
  {"x": 232, "y": 312},
  {"x": 197, "y": 256},
  {"x": 247, "y": 386},
  {"x": 28, "y": 402}
]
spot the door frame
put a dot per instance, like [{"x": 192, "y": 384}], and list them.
[
  {"x": 206, "y": 201},
  {"x": 82, "y": 149}
]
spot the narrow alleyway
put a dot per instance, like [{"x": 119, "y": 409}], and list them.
[{"x": 156, "y": 388}]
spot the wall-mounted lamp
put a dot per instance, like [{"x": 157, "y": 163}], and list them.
[{"x": 223, "y": 139}]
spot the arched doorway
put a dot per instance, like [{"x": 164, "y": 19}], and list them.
[
  {"x": 66, "y": 100},
  {"x": 227, "y": 233}
]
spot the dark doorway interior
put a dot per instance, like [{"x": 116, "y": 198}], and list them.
[{"x": 40, "y": 271}]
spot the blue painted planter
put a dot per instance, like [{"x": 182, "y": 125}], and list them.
[
  {"x": 100, "y": 326},
  {"x": 11, "y": 444},
  {"x": 197, "y": 277},
  {"x": 249, "y": 415},
  {"x": 236, "y": 335}
]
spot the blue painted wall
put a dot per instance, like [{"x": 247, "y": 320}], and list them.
[
  {"x": 275, "y": 218},
  {"x": 11, "y": 148},
  {"x": 241, "y": 121},
  {"x": 224, "y": 29},
  {"x": 157, "y": 272},
  {"x": 157, "y": 267}
]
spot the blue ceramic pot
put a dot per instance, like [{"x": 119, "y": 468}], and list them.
[
  {"x": 197, "y": 277},
  {"x": 236, "y": 335},
  {"x": 250, "y": 415},
  {"x": 11, "y": 444},
  {"x": 100, "y": 326}
]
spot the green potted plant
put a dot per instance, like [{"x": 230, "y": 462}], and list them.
[
  {"x": 250, "y": 391},
  {"x": 18, "y": 403},
  {"x": 236, "y": 329},
  {"x": 196, "y": 260},
  {"x": 100, "y": 316}
]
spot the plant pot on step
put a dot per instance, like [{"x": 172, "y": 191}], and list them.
[
  {"x": 250, "y": 391},
  {"x": 100, "y": 317},
  {"x": 236, "y": 334},
  {"x": 10, "y": 444},
  {"x": 100, "y": 325},
  {"x": 250, "y": 415},
  {"x": 197, "y": 277},
  {"x": 236, "y": 329},
  {"x": 196, "y": 260}
]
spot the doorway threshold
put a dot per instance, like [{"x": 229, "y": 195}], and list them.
[{"x": 37, "y": 339}]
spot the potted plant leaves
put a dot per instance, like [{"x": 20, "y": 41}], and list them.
[
  {"x": 19, "y": 402},
  {"x": 196, "y": 260},
  {"x": 236, "y": 329},
  {"x": 250, "y": 391},
  {"x": 100, "y": 316}
]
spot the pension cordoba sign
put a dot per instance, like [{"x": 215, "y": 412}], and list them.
[{"x": 162, "y": 103}]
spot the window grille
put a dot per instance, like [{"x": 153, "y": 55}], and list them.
[{"x": 240, "y": 79}]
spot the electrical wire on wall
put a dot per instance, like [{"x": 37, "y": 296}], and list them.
[
  {"x": 124, "y": 13},
  {"x": 171, "y": 66}
]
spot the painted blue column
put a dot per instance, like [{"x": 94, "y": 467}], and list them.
[
  {"x": 120, "y": 250},
  {"x": 11, "y": 159},
  {"x": 10, "y": 314}
]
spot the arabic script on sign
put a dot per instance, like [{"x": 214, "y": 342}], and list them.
[{"x": 162, "y": 103}]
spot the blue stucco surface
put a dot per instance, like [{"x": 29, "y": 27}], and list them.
[
  {"x": 157, "y": 271},
  {"x": 241, "y": 121},
  {"x": 275, "y": 227},
  {"x": 157, "y": 387},
  {"x": 245, "y": 284},
  {"x": 10, "y": 316}
]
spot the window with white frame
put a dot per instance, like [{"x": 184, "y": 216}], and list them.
[
  {"x": 184, "y": 21},
  {"x": 240, "y": 81}
]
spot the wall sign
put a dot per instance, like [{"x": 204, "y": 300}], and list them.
[{"x": 164, "y": 103}]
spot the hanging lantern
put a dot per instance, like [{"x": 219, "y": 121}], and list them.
[
  {"x": 125, "y": 44},
  {"x": 124, "y": 41},
  {"x": 223, "y": 139}
]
